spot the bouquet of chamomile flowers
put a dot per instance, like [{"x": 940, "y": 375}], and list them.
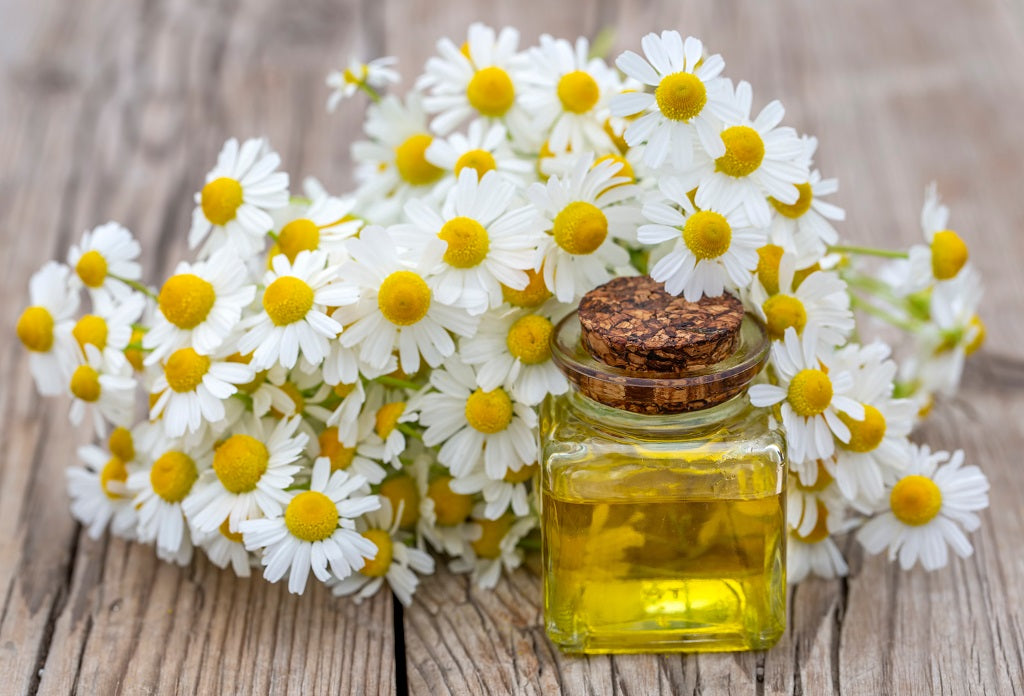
[{"x": 344, "y": 384}]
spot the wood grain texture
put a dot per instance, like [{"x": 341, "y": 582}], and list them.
[{"x": 115, "y": 110}]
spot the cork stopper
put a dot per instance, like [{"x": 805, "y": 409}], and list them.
[
  {"x": 633, "y": 346},
  {"x": 634, "y": 324}
]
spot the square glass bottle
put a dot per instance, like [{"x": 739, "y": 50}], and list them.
[{"x": 663, "y": 489}]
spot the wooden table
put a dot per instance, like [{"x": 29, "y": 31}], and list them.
[{"x": 114, "y": 110}]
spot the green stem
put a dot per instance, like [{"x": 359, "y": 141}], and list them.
[
  {"x": 369, "y": 90},
  {"x": 530, "y": 543},
  {"x": 389, "y": 381},
  {"x": 868, "y": 251},
  {"x": 136, "y": 285},
  {"x": 409, "y": 430},
  {"x": 889, "y": 318},
  {"x": 138, "y": 347}
]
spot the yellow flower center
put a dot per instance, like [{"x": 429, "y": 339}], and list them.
[
  {"x": 795, "y": 210},
  {"x": 867, "y": 434},
  {"x": 820, "y": 531},
  {"x": 681, "y": 96},
  {"x": 744, "y": 151},
  {"x": 625, "y": 170},
  {"x": 311, "y": 516},
  {"x": 402, "y": 490},
  {"x": 451, "y": 508},
  {"x": 113, "y": 470},
  {"x": 915, "y": 500},
  {"x": 220, "y": 200},
  {"x": 578, "y": 92},
  {"x": 186, "y": 299},
  {"x": 91, "y": 329},
  {"x": 240, "y": 462},
  {"x": 411, "y": 161},
  {"x": 85, "y": 383},
  {"x": 378, "y": 566},
  {"x": 341, "y": 456},
  {"x": 949, "y": 254},
  {"x": 707, "y": 234},
  {"x": 225, "y": 530},
  {"x": 297, "y": 399},
  {"x": 820, "y": 483},
  {"x": 528, "y": 337},
  {"x": 800, "y": 275},
  {"x": 35, "y": 329},
  {"x": 298, "y": 235},
  {"x": 810, "y": 392},
  {"x": 172, "y": 476},
  {"x": 387, "y": 418},
  {"x": 489, "y": 412},
  {"x": 134, "y": 355},
  {"x": 185, "y": 369},
  {"x": 92, "y": 268},
  {"x": 121, "y": 445},
  {"x": 979, "y": 335},
  {"x": 782, "y": 312},
  {"x": 492, "y": 532},
  {"x": 768, "y": 258},
  {"x": 580, "y": 228},
  {"x": 533, "y": 295},
  {"x": 403, "y": 298},
  {"x": 287, "y": 300},
  {"x": 620, "y": 142},
  {"x": 491, "y": 92},
  {"x": 480, "y": 160},
  {"x": 352, "y": 78},
  {"x": 524, "y": 474},
  {"x": 467, "y": 240}
]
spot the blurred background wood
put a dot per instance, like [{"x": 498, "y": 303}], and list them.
[{"x": 114, "y": 110}]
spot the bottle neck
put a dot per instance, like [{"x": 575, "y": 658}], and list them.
[{"x": 654, "y": 427}]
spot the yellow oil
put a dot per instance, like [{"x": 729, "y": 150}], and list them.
[{"x": 664, "y": 554}]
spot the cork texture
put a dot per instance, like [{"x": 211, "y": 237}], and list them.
[{"x": 633, "y": 324}]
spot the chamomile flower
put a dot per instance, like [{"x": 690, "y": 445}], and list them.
[
  {"x": 811, "y": 488},
  {"x": 690, "y": 100},
  {"x": 928, "y": 510},
  {"x": 397, "y": 309},
  {"x": 493, "y": 545},
  {"x": 392, "y": 164},
  {"x": 761, "y": 160},
  {"x": 374, "y": 75},
  {"x": 251, "y": 470},
  {"x": 345, "y": 416},
  {"x": 159, "y": 491},
  {"x": 99, "y": 496},
  {"x": 110, "y": 329},
  {"x": 804, "y": 228},
  {"x": 812, "y": 396},
  {"x": 233, "y": 207},
  {"x": 482, "y": 82},
  {"x": 106, "y": 392},
  {"x": 44, "y": 328},
  {"x": 567, "y": 93},
  {"x": 105, "y": 259},
  {"x": 294, "y": 319},
  {"x": 511, "y": 347},
  {"x": 224, "y": 547},
  {"x": 317, "y": 530},
  {"x": 199, "y": 306},
  {"x": 815, "y": 552},
  {"x": 474, "y": 424},
  {"x": 943, "y": 255},
  {"x": 583, "y": 213},
  {"x": 706, "y": 250},
  {"x": 482, "y": 148},
  {"x": 359, "y": 458},
  {"x": 324, "y": 223},
  {"x": 510, "y": 491},
  {"x": 395, "y": 561},
  {"x": 820, "y": 300},
  {"x": 192, "y": 389},
  {"x": 477, "y": 240},
  {"x": 878, "y": 446}
]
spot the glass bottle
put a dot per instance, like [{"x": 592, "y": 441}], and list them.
[{"x": 663, "y": 494}]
